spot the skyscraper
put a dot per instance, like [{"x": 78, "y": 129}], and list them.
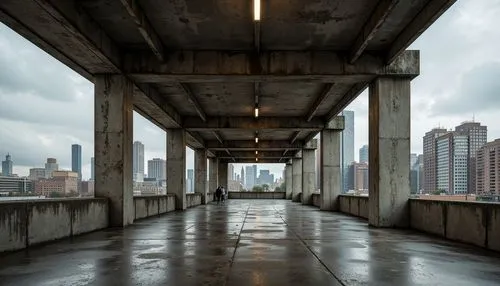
[
  {"x": 430, "y": 182},
  {"x": 138, "y": 161},
  {"x": 249, "y": 177},
  {"x": 190, "y": 181},
  {"x": 254, "y": 174},
  {"x": 477, "y": 137},
  {"x": 76, "y": 159},
  {"x": 230, "y": 169},
  {"x": 157, "y": 168},
  {"x": 488, "y": 169},
  {"x": 7, "y": 166},
  {"x": 50, "y": 167},
  {"x": 413, "y": 160},
  {"x": 451, "y": 163},
  {"x": 347, "y": 145},
  {"x": 363, "y": 154},
  {"x": 242, "y": 177},
  {"x": 92, "y": 169}
]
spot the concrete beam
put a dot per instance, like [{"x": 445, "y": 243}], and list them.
[
  {"x": 85, "y": 42},
  {"x": 148, "y": 99},
  {"x": 145, "y": 28},
  {"x": 192, "y": 99},
  {"x": 294, "y": 137},
  {"x": 252, "y": 123},
  {"x": 425, "y": 18},
  {"x": 350, "y": 95},
  {"x": 242, "y": 66},
  {"x": 250, "y": 145},
  {"x": 329, "y": 87},
  {"x": 252, "y": 161},
  {"x": 252, "y": 155},
  {"x": 336, "y": 123},
  {"x": 310, "y": 136},
  {"x": 377, "y": 18}
]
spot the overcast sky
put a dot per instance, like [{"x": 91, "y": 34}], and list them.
[{"x": 45, "y": 107}]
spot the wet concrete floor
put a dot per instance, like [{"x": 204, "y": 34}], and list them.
[{"x": 251, "y": 242}]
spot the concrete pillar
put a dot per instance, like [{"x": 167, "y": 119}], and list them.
[
  {"x": 308, "y": 175},
  {"x": 222, "y": 173},
  {"x": 288, "y": 180},
  {"x": 213, "y": 176},
  {"x": 296, "y": 179},
  {"x": 331, "y": 175},
  {"x": 176, "y": 166},
  {"x": 200, "y": 176},
  {"x": 389, "y": 152},
  {"x": 113, "y": 146}
]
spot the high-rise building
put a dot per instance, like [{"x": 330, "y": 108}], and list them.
[
  {"x": 413, "y": 160},
  {"x": 347, "y": 146},
  {"x": 254, "y": 174},
  {"x": 420, "y": 166},
  {"x": 157, "y": 168},
  {"x": 265, "y": 177},
  {"x": 50, "y": 167},
  {"x": 477, "y": 137},
  {"x": 15, "y": 184},
  {"x": 138, "y": 161},
  {"x": 242, "y": 177},
  {"x": 488, "y": 169},
  {"x": 230, "y": 171},
  {"x": 7, "y": 166},
  {"x": 452, "y": 162},
  {"x": 249, "y": 177},
  {"x": 92, "y": 169},
  {"x": 37, "y": 174},
  {"x": 76, "y": 159},
  {"x": 363, "y": 154},
  {"x": 358, "y": 177},
  {"x": 61, "y": 182},
  {"x": 190, "y": 181},
  {"x": 430, "y": 181}
]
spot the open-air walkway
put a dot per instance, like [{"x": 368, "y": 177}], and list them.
[{"x": 251, "y": 242}]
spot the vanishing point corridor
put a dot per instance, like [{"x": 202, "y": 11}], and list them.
[{"x": 251, "y": 242}]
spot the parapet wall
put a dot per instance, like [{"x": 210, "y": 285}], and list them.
[
  {"x": 257, "y": 195},
  {"x": 147, "y": 206},
  {"x": 354, "y": 205},
  {"x": 27, "y": 223},
  {"x": 471, "y": 222},
  {"x": 316, "y": 197},
  {"x": 193, "y": 199}
]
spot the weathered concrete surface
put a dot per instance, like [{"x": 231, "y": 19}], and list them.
[
  {"x": 13, "y": 224},
  {"x": 213, "y": 174},
  {"x": 296, "y": 179},
  {"x": 146, "y": 206},
  {"x": 222, "y": 174},
  {"x": 364, "y": 207},
  {"x": 89, "y": 215},
  {"x": 354, "y": 205},
  {"x": 330, "y": 179},
  {"x": 113, "y": 146},
  {"x": 494, "y": 229},
  {"x": 316, "y": 198},
  {"x": 166, "y": 203},
  {"x": 257, "y": 195},
  {"x": 193, "y": 200},
  {"x": 247, "y": 243},
  {"x": 389, "y": 152},
  {"x": 345, "y": 204},
  {"x": 308, "y": 175},
  {"x": 200, "y": 174},
  {"x": 428, "y": 216},
  {"x": 288, "y": 181},
  {"x": 466, "y": 223},
  {"x": 32, "y": 222},
  {"x": 176, "y": 166}
]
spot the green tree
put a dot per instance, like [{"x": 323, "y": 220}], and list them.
[
  {"x": 55, "y": 195},
  {"x": 265, "y": 187},
  {"x": 257, "y": 189}
]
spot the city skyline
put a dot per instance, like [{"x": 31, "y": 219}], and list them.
[{"x": 443, "y": 46}]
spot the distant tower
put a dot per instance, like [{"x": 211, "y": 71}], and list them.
[
  {"x": 76, "y": 159},
  {"x": 50, "y": 167},
  {"x": 7, "y": 166},
  {"x": 138, "y": 161},
  {"x": 363, "y": 154},
  {"x": 347, "y": 146},
  {"x": 92, "y": 169}
]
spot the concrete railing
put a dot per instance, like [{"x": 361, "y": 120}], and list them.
[
  {"x": 26, "y": 223},
  {"x": 471, "y": 222},
  {"x": 193, "y": 199},
  {"x": 147, "y": 206},
  {"x": 257, "y": 195},
  {"x": 354, "y": 205},
  {"x": 316, "y": 197}
]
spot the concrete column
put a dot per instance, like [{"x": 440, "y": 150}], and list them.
[
  {"x": 308, "y": 175},
  {"x": 331, "y": 175},
  {"x": 288, "y": 180},
  {"x": 389, "y": 152},
  {"x": 213, "y": 176},
  {"x": 296, "y": 179},
  {"x": 222, "y": 173},
  {"x": 176, "y": 166},
  {"x": 113, "y": 146},
  {"x": 200, "y": 176}
]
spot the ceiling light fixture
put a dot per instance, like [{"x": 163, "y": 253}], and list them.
[
  {"x": 256, "y": 159},
  {"x": 256, "y": 111},
  {"x": 256, "y": 139},
  {"x": 256, "y": 10},
  {"x": 256, "y": 152}
]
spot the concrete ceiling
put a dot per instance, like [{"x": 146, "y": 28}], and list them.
[{"x": 204, "y": 65}]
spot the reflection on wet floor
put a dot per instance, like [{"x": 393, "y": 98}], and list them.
[{"x": 251, "y": 242}]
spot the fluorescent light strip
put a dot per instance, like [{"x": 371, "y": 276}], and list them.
[{"x": 256, "y": 10}]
